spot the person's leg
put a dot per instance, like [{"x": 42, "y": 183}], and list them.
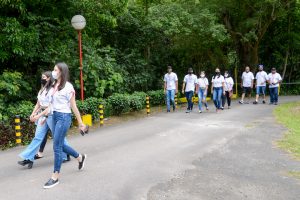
[
  {"x": 271, "y": 95},
  {"x": 243, "y": 95},
  {"x": 168, "y": 97},
  {"x": 215, "y": 97},
  {"x": 223, "y": 99},
  {"x": 187, "y": 99},
  {"x": 191, "y": 100},
  {"x": 173, "y": 99},
  {"x": 257, "y": 93},
  {"x": 43, "y": 144},
  {"x": 276, "y": 95},
  {"x": 220, "y": 92},
  {"x": 32, "y": 148},
  {"x": 249, "y": 91},
  {"x": 200, "y": 99},
  {"x": 228, "y": 99},
  {"x": 264, "y": 93}
]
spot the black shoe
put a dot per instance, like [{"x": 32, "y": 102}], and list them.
[
  {"x": 81, "y": 164},
  {"x": 174, "y": 108},
  {"x": 275, "y": 103},
  {"x": 255, "y": 102},
  {"x": 51, "y": 183},
  {"x": 26, "y": 162},
  {"x": 68, "y": 159},
  {"x": 36, "y": 157},
  {"x": 264, "y": 101},
  {"x": 168, "y": 111}
]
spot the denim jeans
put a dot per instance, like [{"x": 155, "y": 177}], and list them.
[
  {"x": 273, "y": 95},
  {"x": 189, "y": 97},
  {"x": 170, "y": 97},
  {"x": 61, "y": 124},
  {"x": 217, "y": 95},
  {"x": 40, "y": 134},
  {"x": 202, "y": 97}
]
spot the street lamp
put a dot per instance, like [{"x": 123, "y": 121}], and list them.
[{"x": 78, "y": 22}]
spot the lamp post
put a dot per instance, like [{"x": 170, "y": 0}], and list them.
[{"x": 78, "y": 22}]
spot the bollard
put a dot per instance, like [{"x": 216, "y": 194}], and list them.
[
  {"x": 148, "y": 105},
  {"x": 176, "y": 101},
  {"x": 101, "y": 115},
  {"x": 18, "y": 129}
]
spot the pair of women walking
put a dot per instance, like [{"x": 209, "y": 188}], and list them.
[{"x": 56, "y": 99}]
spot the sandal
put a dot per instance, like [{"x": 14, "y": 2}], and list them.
[{"x": 36, "y": 157}]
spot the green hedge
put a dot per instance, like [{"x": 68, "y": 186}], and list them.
[{"x": 157, "y": 97}]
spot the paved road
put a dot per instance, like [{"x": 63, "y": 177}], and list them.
[{"x": 175, "y": 156}]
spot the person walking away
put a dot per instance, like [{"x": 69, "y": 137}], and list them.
[
  {"x": 228, "y": 84},
  {"x": 261, "y": 82},
  {"x": 170, "y": 88},
  {"x": 274, "y": 81},
  {"x": 201, "y": 89},
  {"x": 247, "y": 84},
  {"x": 63, "y": 100},
  {"x": 188, "y": 88},
  {"x": 217, "y": 88}
]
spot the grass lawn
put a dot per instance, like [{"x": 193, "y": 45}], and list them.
[{"x": 289, "y": 115}]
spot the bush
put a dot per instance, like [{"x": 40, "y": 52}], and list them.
[
  {"x": 120, "y": 103},
  {"x": 89, "y": 106},
  {"x": 157, "y": 97},
  {"x": 136, "y": 102}
]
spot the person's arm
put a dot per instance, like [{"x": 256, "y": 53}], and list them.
[
  {"x": 76, "y": 113},
  {"x": 176, "y": 83},
  {"x": 165, "y": 87},
  {"x": 183, "y": 86},
  {"x": 223, "y": 85},
  {"x": 36, "y": 107}
]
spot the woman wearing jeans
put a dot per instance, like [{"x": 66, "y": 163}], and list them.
[
  {"x": 228, "y": 90},
  {"x": 43, "y": 123},
  {"x": 63, "y": 100},
  {"x": 217, "y": 88},
  {"x": 202, "y": 86}
]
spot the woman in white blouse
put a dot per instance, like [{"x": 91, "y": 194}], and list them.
[
  {"x": 217, "y": 88},
  {"x": 228, "y": 83}
]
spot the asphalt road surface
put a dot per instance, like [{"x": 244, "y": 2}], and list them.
[{"x": 177, "y": 156}]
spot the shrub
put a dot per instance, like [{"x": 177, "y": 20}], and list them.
[
  {"x": 136, "y": 102},
  {"x": 157, "y": 97},
  {"x": 89, "y": 106},
  {"x": 120, "y": 103}
]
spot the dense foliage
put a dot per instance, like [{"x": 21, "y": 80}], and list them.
[{"x": 127, "y": 45}]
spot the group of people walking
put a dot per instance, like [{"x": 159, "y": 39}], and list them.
[
  {"x": 52, "y": 111},
  {"x": 221, "y": 88}
]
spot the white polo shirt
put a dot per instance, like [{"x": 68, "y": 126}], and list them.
[
  {"x": 261, "y": 78},
  {"x": 228, "y": 84},
  {"x": 190, "y": 81},
  {"x": 61, "y": 99},
  {"x": 171, "y": 79},
  {"x": 247, "y": 79},
  {"x": 274, "y": 78},
  {"x": 218, "y": 81},
  {"x": 202, "y": 82}
]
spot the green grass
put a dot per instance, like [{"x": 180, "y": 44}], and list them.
[
  {"x": 294, "y": 174},
  {"x": 289, "y": 115}
]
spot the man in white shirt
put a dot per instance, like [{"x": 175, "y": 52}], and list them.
[
  {"x": 188, "y": 87},
  {"x": 261, "y": 81},
  {"x": 170, "y": 88},
  {"x": 247, "y": 84},
  {"x": 274, "y": 81}
]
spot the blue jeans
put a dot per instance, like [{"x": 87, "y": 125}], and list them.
[
  {"x": 273, "y": 95},
  {"x": 170, "y": 96},
  {"x": 40, "y": 134},
  {"x": 217, "y": 94},
  {"x": 202, "y": 97},
  {"x": 261, "y": 90},
  {"x": 61, "y": 124},
  {"x": 189, "y": 97}
]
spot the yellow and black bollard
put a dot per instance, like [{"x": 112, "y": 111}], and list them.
[
  {"x": 176, "y": 101},
  {"x": 101, "y": 115},
  {"x": 148, "y": 105},
  {"x": 18, "y": 130}
]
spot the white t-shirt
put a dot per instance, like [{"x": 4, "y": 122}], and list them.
[
  {"x": 274, "y": 78},
  {"x": 228, "y": 84},
  {"x": 202, "y": 82},
  {"x": 247, "y": 79},
  {"x": 190, "y": 81},
  {"x": 44, "y": 97},
  {"x": 61, "y": 99},
  {"x": 171, "y": 79},
  {"x": 261, "y": 78},
  {"x": 217, "y": 81}
]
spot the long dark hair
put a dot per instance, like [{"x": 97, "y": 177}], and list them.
[
  {"x": 48, "y": 84},
  {"x": 64, "y": 77}
]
